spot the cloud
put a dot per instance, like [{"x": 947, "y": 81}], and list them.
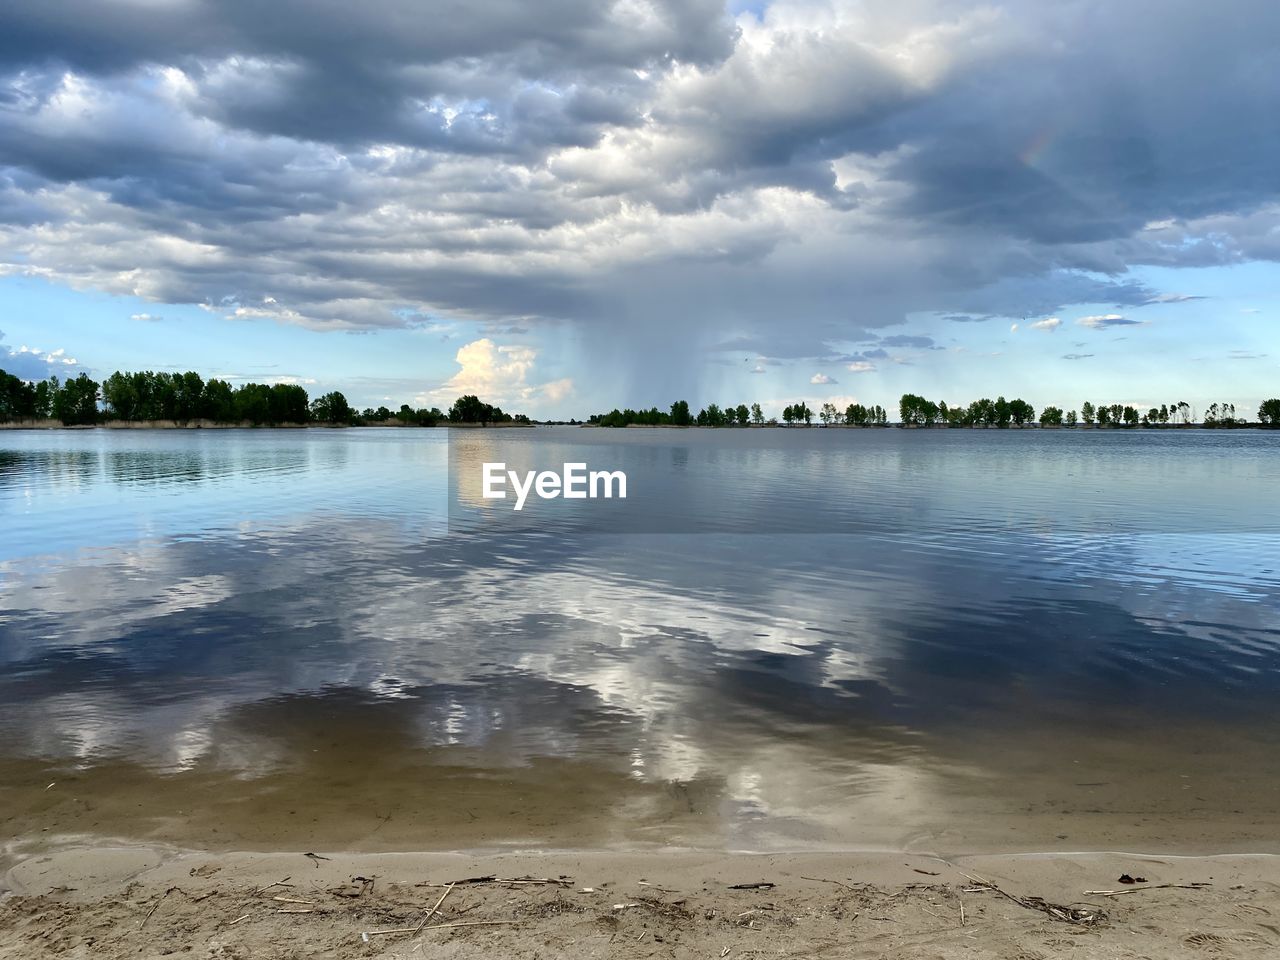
[
  {"x": 33, "y": 363},
  {"x": 1108, "y": 321},
  {"x": 146, "y": 317},
  {"x": 1174, "y": 298},
  {"x": 497, "y": 374},
  {"x": 861, "y": 366},
  {"x": 821, "y": 379},
  {"x": 1013, "y": 328},
  {"x": 758, "y": 368},
  {"x": 641, "y": 171},
  {"x": 1076, "y": 356},
  {"x": 1048, "y": 325}
]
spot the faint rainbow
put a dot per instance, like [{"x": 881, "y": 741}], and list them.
[{"x": 1036, "y": 148}]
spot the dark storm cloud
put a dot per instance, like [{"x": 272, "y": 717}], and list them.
[{"x": 646, "y": 170}]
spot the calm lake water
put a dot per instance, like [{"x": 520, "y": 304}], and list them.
[{"x": 935, "y": 640}]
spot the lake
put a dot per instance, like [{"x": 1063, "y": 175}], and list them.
[{"x": 935, "y": 640}]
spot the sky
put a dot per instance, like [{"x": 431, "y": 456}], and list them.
[{"x": 571, "y": 205}]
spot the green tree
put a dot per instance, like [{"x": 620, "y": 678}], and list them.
[
  {"x": 743, "y": 414},
  {"x": 218, "y": 402},
  {"x": 1088, "y": 413},
  {"x": 1269, "y": 413},
  {"x": 77, "y": 402},
  {"x": 1072, "y": 419},
  {"x": 332, "y": 408},
  {"x": 288, "y": 404},
  {"x": 680, "y": 413},
  {"x": 17, "y": 398},
  {"x": 1051, "y": 417},
  {"x": 1021, "y": 412},
  {"x": 757, "y": 415}
]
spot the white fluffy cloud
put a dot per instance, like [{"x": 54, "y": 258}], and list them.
[{"x": 498, "y": 374}]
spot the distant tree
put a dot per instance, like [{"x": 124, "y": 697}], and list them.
[
  {"x": 1072, "y": 419},
  {"x": 1131, "y": 417},
  {"x": 680, "y": 413},
  {"x": 45, "y": 391},
  {"x": 218, "y": 402},
  {"x": 1269, "y": 413},
  {"x": 743, "y": 414},
  {"x": 333, "y": 408},
  {"x": 1051, "y": 417},
  {"x": 77, "y": 402},
  {"x": 17, "y": 398},
  {"x": 788, "y": 414},
  {"x": 1087, "y": 413},
  {"x": 801, "y": 411},
  {"x": 1104, "y": 415},
  {"x": 916, "y": 411},
  {"x": 288, "y": 404},
  {"x": 120, "y": 394},
  {"x": 826, "y": 412},
  {"x": 1164, "y": 413},
  {"x": 757, "y": 415},
  {"x": 1021, "y": 412},
  {"x": 189, "y": 390}
]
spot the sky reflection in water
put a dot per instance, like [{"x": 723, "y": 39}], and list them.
[{"x": 262, "y": 608}]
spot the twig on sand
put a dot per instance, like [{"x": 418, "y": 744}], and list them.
[
  {"x": 238, "y": 919},
  {"x": 293, "y": 900},
  {"x": 1157, "y": 886},
  {"x": 436, "y": 926},
  {"x": 155, "y": 906},
  {"x": 471, "y": 923},
  {"x": 516, "y": 881},
  {"x": 762, "y": 885},
  {"x": 962, "y": 920},
  {"x": 275, "y": 883},
  {"x": 1067, "y": 914},
  {"x": 430, "y": 913}
]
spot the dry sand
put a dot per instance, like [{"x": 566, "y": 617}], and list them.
[{"x": 111, "y": 902}]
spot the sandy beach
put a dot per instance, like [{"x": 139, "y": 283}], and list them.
[{"x": 114, "y": 901}]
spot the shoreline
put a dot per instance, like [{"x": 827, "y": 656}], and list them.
[
  {"x": 115, "y": 900},
  {"x": 147, "y": 425}
]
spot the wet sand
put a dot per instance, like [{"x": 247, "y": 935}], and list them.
[{"x": 112, "y": 902}]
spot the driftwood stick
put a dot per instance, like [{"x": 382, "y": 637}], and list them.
[
  {"x": 276, "y": 883},
  {"x": 430, "y": 913},
  {"x": 155, "y": 906},
  {"x": 1156, "y": 886}
]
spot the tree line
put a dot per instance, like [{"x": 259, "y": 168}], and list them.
[
  {"x": 147, "y": 396},
  {"x": 739, "y": 415},
  {"x": 918, "y": 411}
]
